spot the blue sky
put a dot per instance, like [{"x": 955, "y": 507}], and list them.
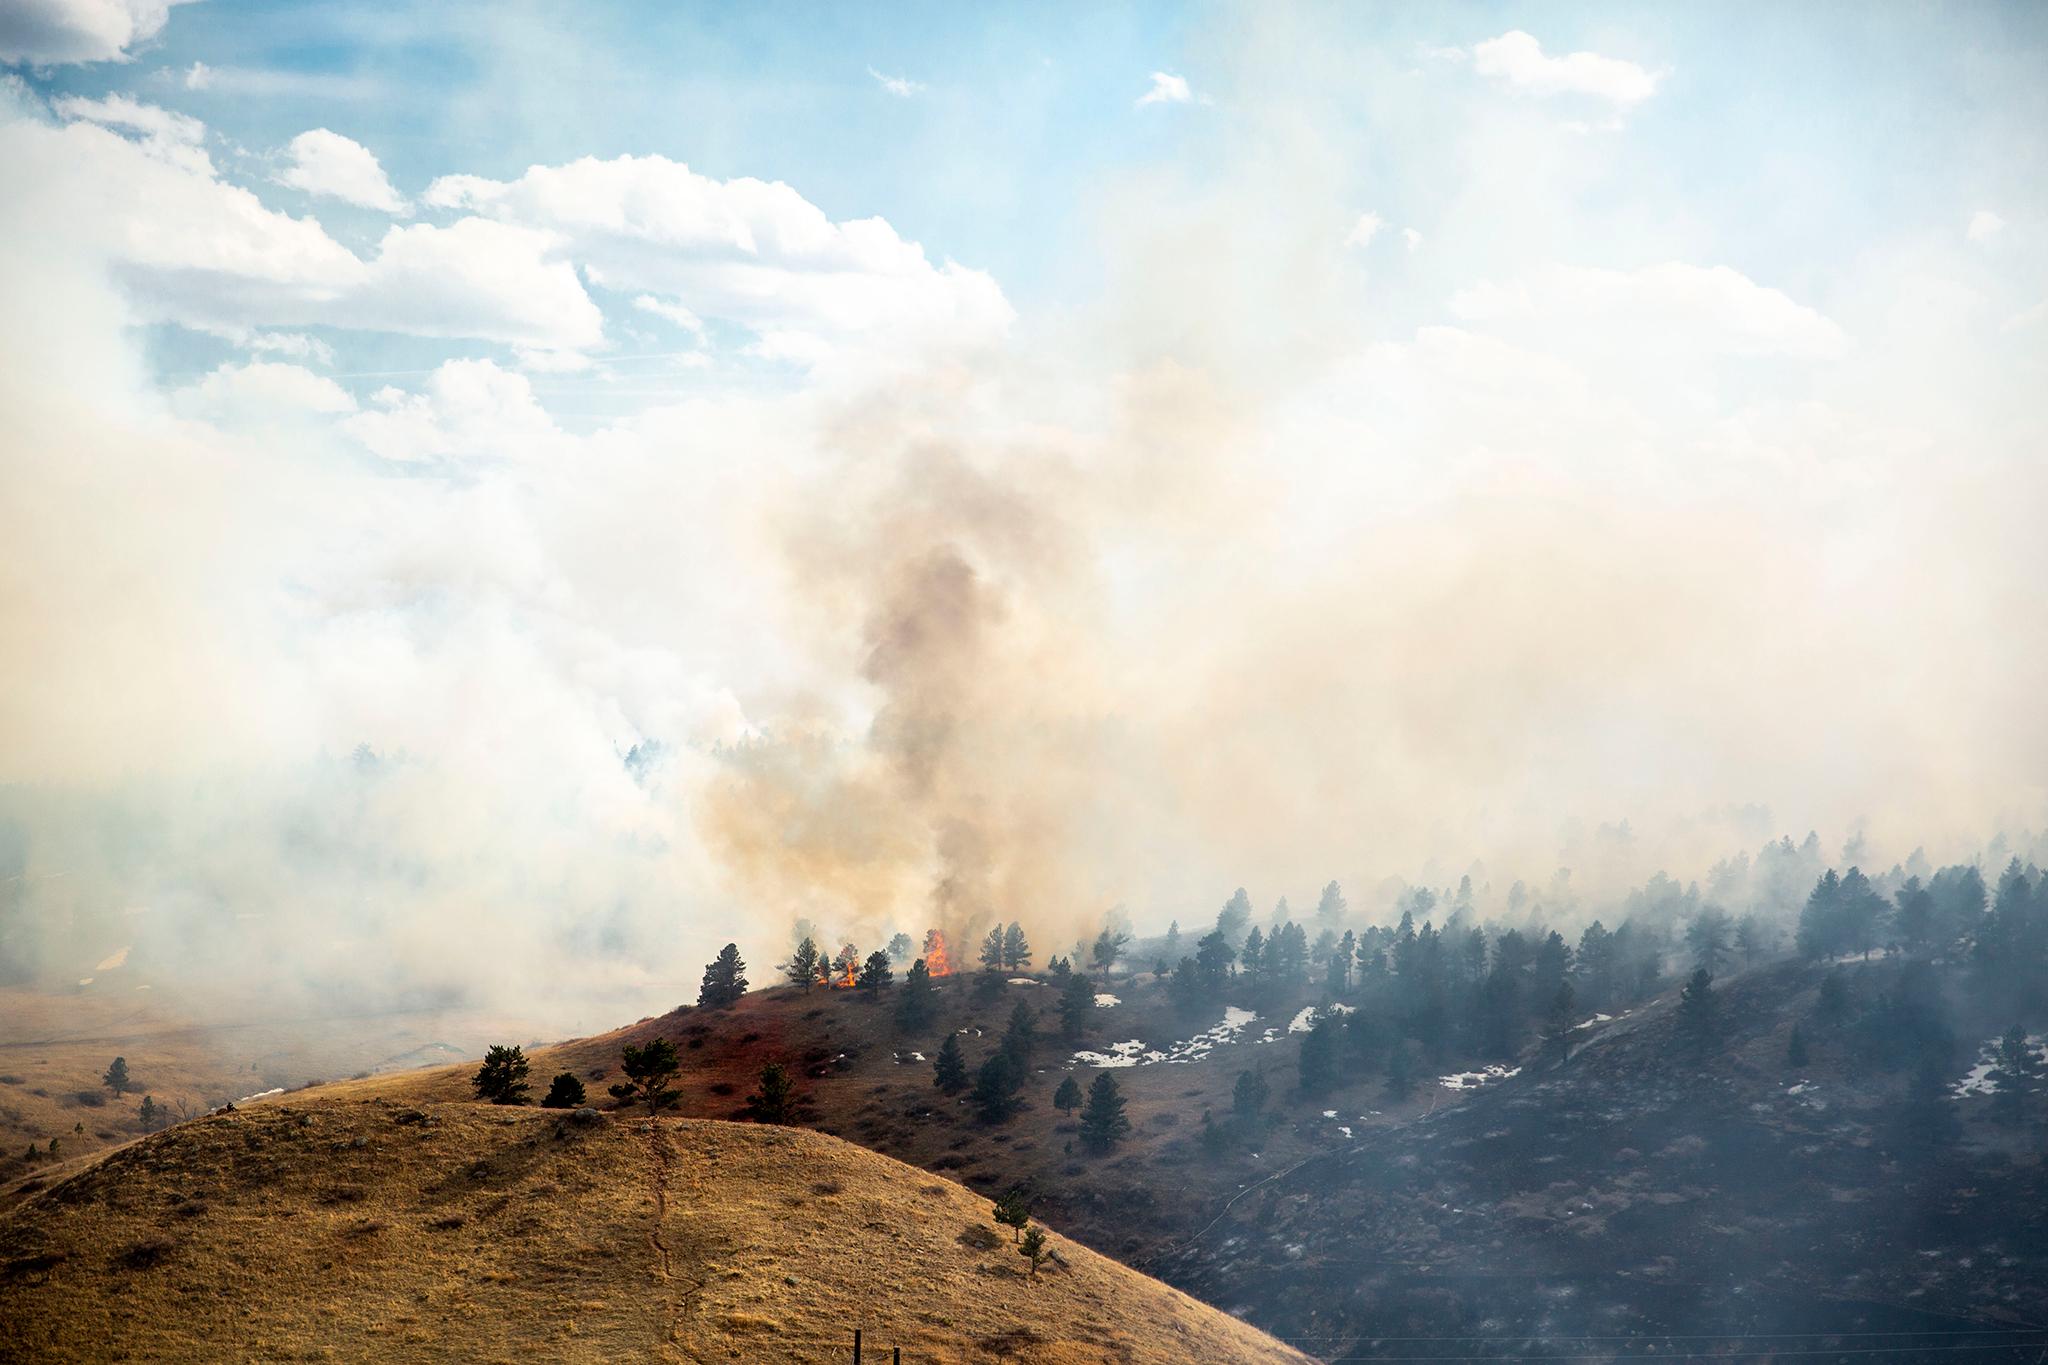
[{"x": 1471, "y": 425}]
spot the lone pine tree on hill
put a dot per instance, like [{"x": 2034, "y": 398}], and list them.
[
  {"x": 1013, "y": 1210},
  {"x": 116, "y": 1078},
  {"x": 875, "y": 973},
  {"x": 1034, "y": 1250},
  {"x": 1067, "y": 1098},
  {"x": 1103, "y": 1123},
  {"x": 725, "y": 979},
  {"x": 502, "y": 1077},
  {"x": 650, "y": 1072},
  {"x": 949, "y": 1068}
]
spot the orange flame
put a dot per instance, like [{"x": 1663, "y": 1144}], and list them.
[
  {"x": 848, "y": 956},
  {"x": 935, "y": 960}
]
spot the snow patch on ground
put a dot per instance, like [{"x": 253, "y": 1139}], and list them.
[
  {"x": 1329, "y": 1113},
  {"x": 1596, "y": 1019},
  {"x": 1978, "y": 1081},
  {"x": 1103, "y": 1002},
  {"x": 1344, "y": 1129},
  {"x": 1306, "y": 1020},
  {"x": 903, "y": 1057},
  {"x": 1135, "y": 1053},
  {"x": 1472, "y": 1080},
  {"x": 1022, "y": 981}
]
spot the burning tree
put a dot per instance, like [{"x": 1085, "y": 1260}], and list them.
[
  {"x": 846, "y": 968},
  {"x": 936, "y": 959}
]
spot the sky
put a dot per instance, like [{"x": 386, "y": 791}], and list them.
[{"x": 607, "y": 481}]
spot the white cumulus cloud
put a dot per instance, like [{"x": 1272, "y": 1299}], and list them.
[
  {"x": 53, "y": 32},
  {"x": 900, "y": 86},
  {"x": 1984, "y": 225},
  {"x": 1712, "y": 308},
  {"x": 326, "y": 163},
  {"x": 1167, "y": 89},
  {"x": 1517, "y": 61},
  {"x": 744, "y": 251},
  {"x": 1364, "y": 230}
]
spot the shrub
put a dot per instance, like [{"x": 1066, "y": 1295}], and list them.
[{"x": 564, "y": 1092}]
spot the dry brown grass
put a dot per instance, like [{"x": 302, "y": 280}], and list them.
[{"x": 356, "y": 1227}]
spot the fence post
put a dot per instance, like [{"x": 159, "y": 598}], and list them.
[
  {"x": 896, "y": 1356},
  {"x": 856, "y": 1346}
]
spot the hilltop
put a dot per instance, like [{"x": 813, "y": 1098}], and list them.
[{"x": 359, "y": 1228}]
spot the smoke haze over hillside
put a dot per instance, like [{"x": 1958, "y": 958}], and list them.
[{"x": 1227, "y": 550}]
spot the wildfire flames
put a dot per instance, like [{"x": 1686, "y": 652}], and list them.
[{"x": 935, "y": 960}]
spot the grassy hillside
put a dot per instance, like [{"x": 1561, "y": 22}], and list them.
[
  {"x": 356, "y": 1228},
  {"x": 866, "y": 1079}
]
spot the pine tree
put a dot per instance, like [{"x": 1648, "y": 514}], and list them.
[
  {"x": 1020, "y": 1035},
  {"x": 724, "y": 979},
  {"x": 1699, "y": 1013},
  {"x": 875, "y": 973},
  {"x": 900, "y": 949},
  {"x": 1067, "y": 1098},
  {"x": 116, "y": 1078},
  {"x": 1016, "y": 948},
  {"x": 650, "y": 1071},
  {"x": 564, "y": 1092},
  {"x": 1558, "y": 1025},
  {"x": 1103, "y": 1124},
  {"x": 1248, "y": 1096},
  {"x": 1172, "y": 948},
  {"x": 1319, "y": 1054},
  {"x": 502, "y": 1077},
  {"x": 775, "y": 1099},
  {"x": 1750, "y": 938},
  {"x": 1109, "y": 946},
  {"x": 1188, "y": 989},
  {"x": 992, "y": 949},
  {"x": 803, "y": 967},
  {"x": 2016, "y": 1071},
  {"x": 1400, "y": 1073},
  {"x": 914, "y": 1003},
  {"x": 1833, "y": 1004},
  {"x": 149, "y": 1114},
  {"x": 1077, "y": 1005},
  {"x": 995, "y": 1088},
  {"x": 1707, "y": 936},
  {"x": 949, "y": 1068},
  {"x": 1013, "y": 1211},
  {"x": 1033, "y": 1250},
  {"x": 1235, "y": 915},
  {"x": 1330, "y": 909}
]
